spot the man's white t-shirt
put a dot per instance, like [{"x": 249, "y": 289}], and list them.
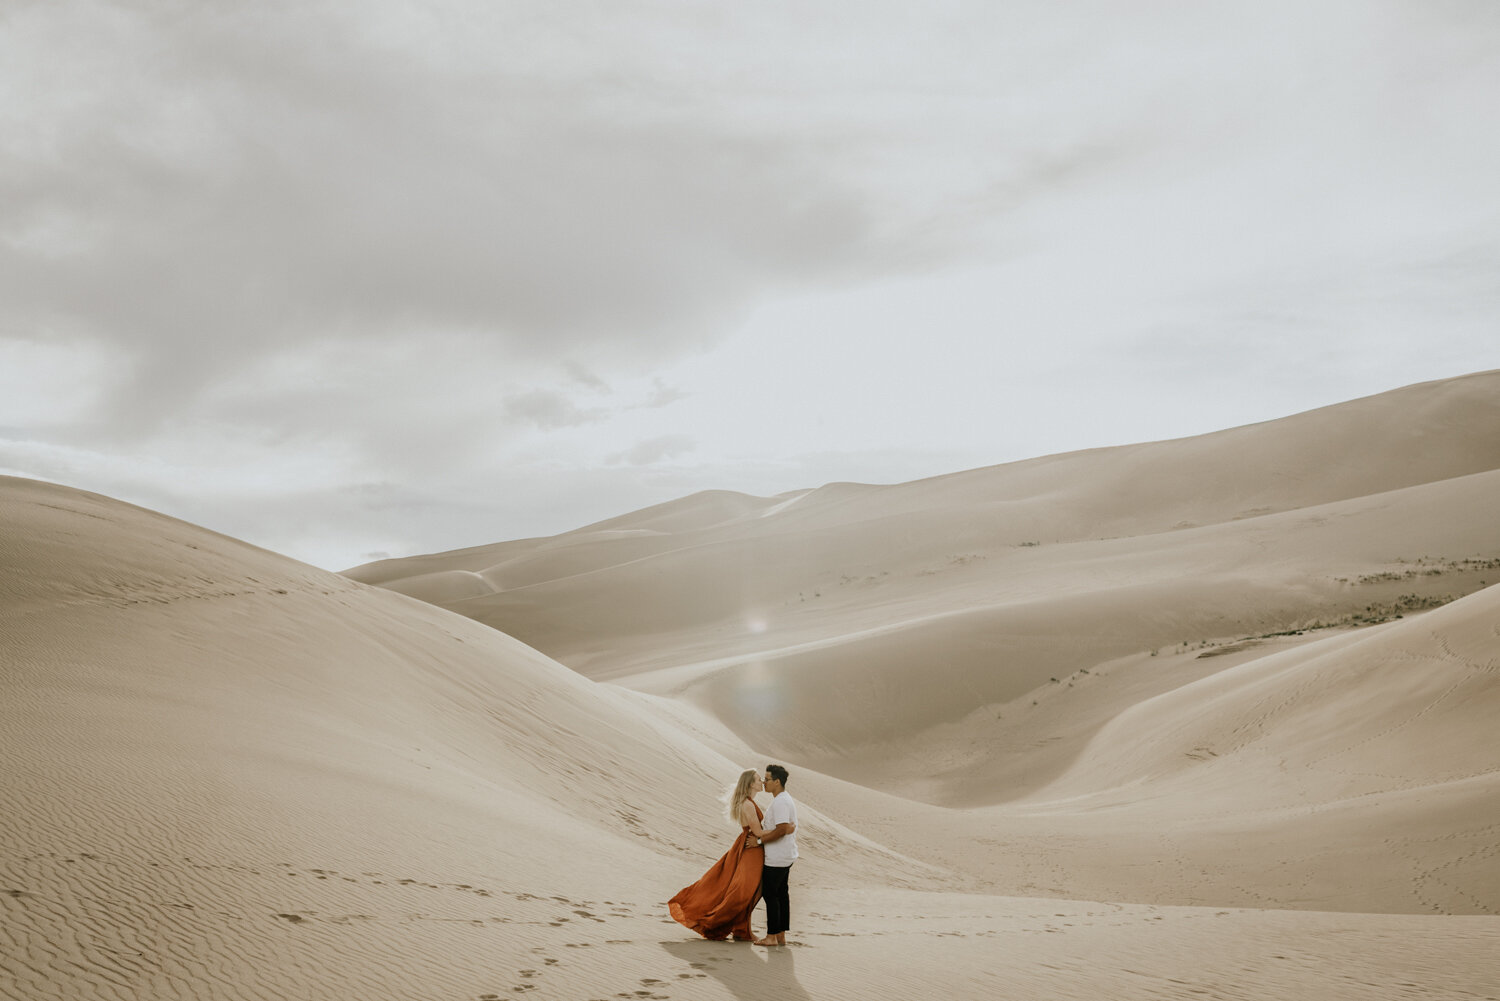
[{"x": 783, "y": 851}]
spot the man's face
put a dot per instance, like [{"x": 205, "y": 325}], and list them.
[{"x": 772, "y": 786}]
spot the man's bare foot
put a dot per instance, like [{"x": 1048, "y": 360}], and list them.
[{"x": 768, "y": 940}]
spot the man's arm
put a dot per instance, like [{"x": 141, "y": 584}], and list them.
[
  {"x": 781, "y": 817},
  {"x": 778, "y": 832},
  {"x": 756, "y": 835}
]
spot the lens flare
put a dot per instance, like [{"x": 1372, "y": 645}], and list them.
[{"x": 757, "y": 693}]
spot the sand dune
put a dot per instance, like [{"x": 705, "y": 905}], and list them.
[
  {"x": 1420, "y": 434},
  {"x": 1084, "y": 767},
  {"x": 1355, "y": 772},
  {"x": 877, "y": 612},
  {"x": 210, "y": 749}
]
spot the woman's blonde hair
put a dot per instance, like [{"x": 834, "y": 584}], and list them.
[{"x": 736, "y": 797}]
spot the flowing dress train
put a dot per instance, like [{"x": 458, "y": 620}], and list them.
[{"x": 720, "y": 904}]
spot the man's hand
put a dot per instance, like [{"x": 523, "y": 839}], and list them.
[{"x": 750, "y": 840}]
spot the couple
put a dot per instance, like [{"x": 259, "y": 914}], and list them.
[{"x": 720, "y": 904}]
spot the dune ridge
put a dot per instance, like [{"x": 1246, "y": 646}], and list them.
[{"x": 879, "y": 610}]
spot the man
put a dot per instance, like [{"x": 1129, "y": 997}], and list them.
[{"x": 781, "y": 852}]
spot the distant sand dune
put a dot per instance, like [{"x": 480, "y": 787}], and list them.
[{"x": 880, "y": 612}]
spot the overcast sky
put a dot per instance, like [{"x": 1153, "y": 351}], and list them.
[{"x": 366, "y": 278}]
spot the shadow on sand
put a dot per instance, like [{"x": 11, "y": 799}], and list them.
[{"x": 751, "y": 973}]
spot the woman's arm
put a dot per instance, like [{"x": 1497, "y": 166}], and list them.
[
  {"x": 749, "y": 818},
  {"x": 758, "y": 834}
]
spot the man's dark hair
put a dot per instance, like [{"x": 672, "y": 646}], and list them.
[{"x": 778, "y": 773}]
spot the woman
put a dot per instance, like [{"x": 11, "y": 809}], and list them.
[{"x": 720, "y": 904}]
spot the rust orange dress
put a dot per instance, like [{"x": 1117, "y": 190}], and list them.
[{"x": 720, "y": 904}]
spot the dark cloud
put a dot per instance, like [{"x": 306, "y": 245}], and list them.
[
  {"x": 218, "y": 180},
  {"x": 584, "y": 377}
]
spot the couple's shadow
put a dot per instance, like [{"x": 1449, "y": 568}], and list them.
[{"x": 751, "y": 972}]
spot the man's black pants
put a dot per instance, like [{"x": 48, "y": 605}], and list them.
[{"x": 778, "y": 903}]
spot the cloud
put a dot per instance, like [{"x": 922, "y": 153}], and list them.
[
  {"x": 549, "y": 410},
  {"x": 200, "y": 189},
  {"x": 654, "y": 450},
  {"x": 663, "y": 395},
  {"x": 584, "y": 377},
  {"x": 221, "y": 183},
  {"x": 500, "y": 263}
]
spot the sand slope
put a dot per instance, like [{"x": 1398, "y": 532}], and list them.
[
  {"x": 231, "y": 775},
  {"x": 211, "y": 751},
  {"x": 1356, "y": 772},
  {"x": 878, "y": 613}
]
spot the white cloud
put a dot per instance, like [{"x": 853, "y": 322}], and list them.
[
  {"x": 548, "y": 409},
  {"x": 654, "y": 450},
  {"x": 663, "y": 395}
]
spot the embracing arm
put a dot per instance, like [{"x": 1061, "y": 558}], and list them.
[
  {"x": 778, "y": 832},
  {"x": 759, "y": 835}
]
